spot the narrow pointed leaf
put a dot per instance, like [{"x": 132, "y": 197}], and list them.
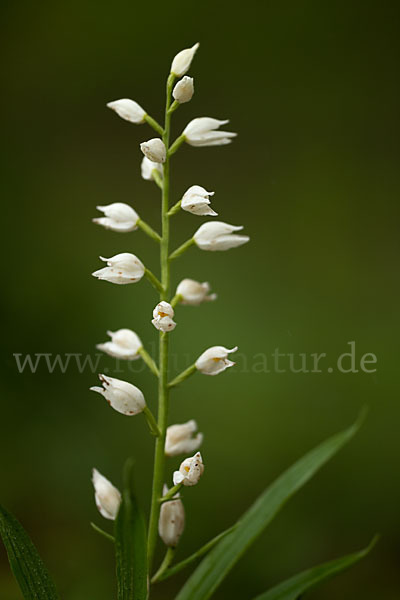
[
  {"x": 293, "y": 588},
  {"x": 27, "y": 566},
  {"x": 217, "y": 564},
  {"x": 130, "y": 544},
  {"x": 186, "y": 562}
]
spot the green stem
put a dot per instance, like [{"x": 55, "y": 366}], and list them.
[
  {"x": 184, "y": 375},
  {"x": 175, "y": 300},
  {"x": 154, "y": 281},
  {"x": 153, "y": 123},
  {"x": 171, "y": 493},
  {"x": 168, "y": 558},
  {"x": 177, "y": 144},
  {"x": 148, "y": 230},
  {"x": 173, "y": 107},
  {"x": 163, "y": 392},
  {"x": 152, "y": 423},
  {"x": 175, "y": 208},
  {"x": 157, "y": 178},
  {"x": 181, "y": 249},
  {"x": 149, "y": 361}
]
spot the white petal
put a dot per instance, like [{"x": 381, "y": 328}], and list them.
[
  {"x": 182, "y": 61},
  {"x": 147, "y": 168},
  {"x": 125, "y": 344},
  {"x": 184, "y": 90},
  {"x": 154, "y": 150},
  {"x": 202, "y": 125},
  {"x": 128, "y": 109},
  {"x": 124, "y": 397},
  {"x": 177, "y": 477},
  {"x": 108, "y": 498}
]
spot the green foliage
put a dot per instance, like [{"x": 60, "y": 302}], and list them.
[
  {"x": 217, "y": 564},
  {"x": 130, "y": 544},
  {"x": 293, "y": 588},
  {"x": 26, "y": 564}
]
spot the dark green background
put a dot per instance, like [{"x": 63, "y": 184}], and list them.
[{"x": 312, "y": 88}]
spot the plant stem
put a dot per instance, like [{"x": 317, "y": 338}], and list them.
[
  {"x": 171, "y": 493},
  {"x": 148, "y": 230},
  {"x": 182, "y": 376},
  {"x": 149, "y": 361},
  {"x": 168, "y": 558},
  {"x": 153, "y": 123},
  {"x": 175, "y": 300},
  {"x": 163, "y": 392},
  {"x": 177, "y": 144},
  {"x": 157, "y": 178},
  {"x": 175, "y": 208},
  {"x": 181, "y": 249},
  {"x": 152, "y": 423},
  {"x": 154, "y": 281}
]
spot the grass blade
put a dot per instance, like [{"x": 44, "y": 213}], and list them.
[
  {"x": 27, "y": 566},
  {"x": 296, "y": 586},
  {"x": 217, "y": 564},
  {"x": 130, "y": 544}
]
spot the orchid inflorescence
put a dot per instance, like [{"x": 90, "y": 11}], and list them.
[
  {"x": 167, "y": 512},
  {"x": 134, "y": 542}
]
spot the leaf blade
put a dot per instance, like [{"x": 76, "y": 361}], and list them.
[
  {"x": 28, "y": 568},
  {"x": 216, "y": 565},
  {"x": 130, "y": 544},
  {"x": 292, "y": 588}
]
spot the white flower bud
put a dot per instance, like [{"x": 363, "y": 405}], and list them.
[
  {"x": 190, "y": 471},
  {"x": 128, "y": 110},
  {"x": 216, "y": 235},
  {"x": 184, "y": 90},
  {"x": 122, "y": 268},
  {"x": 163, "y": 317},
  {"x": 118, "y": 217},
  {"x": 194, "y": 293},
  {"x": 196, "y": 201},
  {"x": 107, "y": 497},
  {"x": 122, "y": 396},
  {"x": 172, "y": 520},
  {"x": 182, "y": 61},
  {"x": 214, "y": 360},
  {"x": 202, "y": 132},
  {"x": 154, "y": 150},
  {"x": 124, "y": 344},
  {"x": 147, "y": 168},
  {"x": 181, "y": 440}
]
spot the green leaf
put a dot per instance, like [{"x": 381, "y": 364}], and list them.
[
  {"x": 130, "y": 544},
  {"x": 170, "y": 571},
  {"x": 101, "y": 531},
  {"x": 217, "y": 564},
  {"x": 26, "y": 564},
  {"x": 293, "y": 588}
]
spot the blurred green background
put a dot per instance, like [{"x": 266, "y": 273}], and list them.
[{"x": 312, "y": 88}]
